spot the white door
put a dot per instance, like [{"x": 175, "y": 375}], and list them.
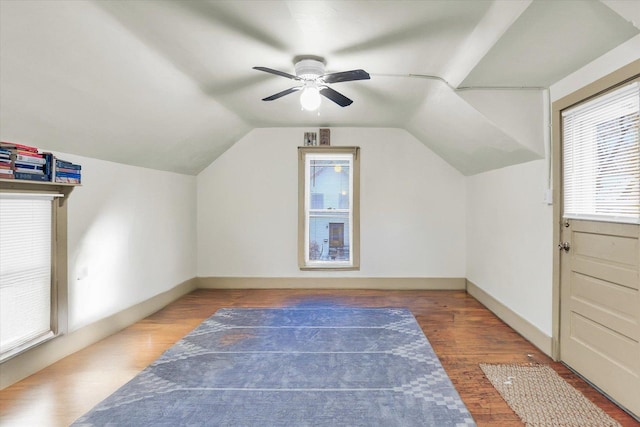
[{"x": 600, "y": 260}]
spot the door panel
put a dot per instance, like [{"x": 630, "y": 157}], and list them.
[
  {"x": 615, "y": 274},
  {"x": 606, "y": 248},
  {"x": 600, "y": 307},
  {"x": 604, "y": 342},
  {"x": 606, "y": 303}
]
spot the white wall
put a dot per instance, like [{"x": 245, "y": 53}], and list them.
[
  {"x": 131, "y": 236},
  {"x": 510, "y": 229},
  {"x": 509, "y": 239},
  {"x": 412, "y": 207}
]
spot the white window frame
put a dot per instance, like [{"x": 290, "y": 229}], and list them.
[{"x": 305, "y": 154}]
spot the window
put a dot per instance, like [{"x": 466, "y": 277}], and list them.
[
  {"x": 329, "y": 205},
  {"x": 32, "y": 263},
  {"x": 601, "y": 157}
]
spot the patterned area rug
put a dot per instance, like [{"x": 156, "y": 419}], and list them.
[
  {"x": 542, "y": 398},
  {"x": 304, "y": 366}
]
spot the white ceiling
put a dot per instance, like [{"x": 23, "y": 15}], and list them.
[{"x": 169, "y": 84}]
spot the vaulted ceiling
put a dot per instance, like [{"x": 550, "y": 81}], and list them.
[{"x": 169, "y": 84}]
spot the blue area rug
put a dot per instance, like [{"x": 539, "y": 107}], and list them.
[{"x": 305, "y": 366}]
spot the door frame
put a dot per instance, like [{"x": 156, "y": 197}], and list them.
[{"x": 619, "y": 77}]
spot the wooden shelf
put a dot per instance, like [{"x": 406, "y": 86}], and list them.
[
  {"x": 35, "y": 186},
  {"x": 25, "y": 181}
]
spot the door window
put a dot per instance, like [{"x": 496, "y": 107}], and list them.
[{"x": 601, "y": 157}]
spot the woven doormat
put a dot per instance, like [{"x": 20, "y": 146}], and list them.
[{"x": 541, "y": 397}]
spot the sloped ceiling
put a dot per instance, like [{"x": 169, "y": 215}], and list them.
[{"x": 169, "y": 84}]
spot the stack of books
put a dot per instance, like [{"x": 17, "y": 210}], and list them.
[
  {"x": 6, "y": 171},
  {"x": 26, "y": 162},
  {"x": 65, "y": 172},
  {"x": 19, "y": 161}
]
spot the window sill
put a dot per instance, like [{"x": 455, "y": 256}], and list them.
[
  {"x": 27, "y": 346},
  {"x": 329, "y": 268}
]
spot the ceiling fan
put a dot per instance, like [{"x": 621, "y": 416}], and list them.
[{"x": 314, "y": 82}]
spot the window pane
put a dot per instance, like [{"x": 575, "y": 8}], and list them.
[
  {"x": 317, "y": 201},
  {"x": 329, "y": 182},
  {"x": 329, "y": 237}
]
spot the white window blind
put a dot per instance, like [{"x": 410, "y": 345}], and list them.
[
  {"x": 601, "y": 157},
  {"x": 25, "y": 269}
]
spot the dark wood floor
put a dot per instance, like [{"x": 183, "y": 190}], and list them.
[{"x": 462, "y": 332}]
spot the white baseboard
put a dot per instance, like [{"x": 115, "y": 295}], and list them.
[
  {"x": 37, "y": 358},
  {"x": 387, "y": 283},
  {"x": 511, "y": 318}
]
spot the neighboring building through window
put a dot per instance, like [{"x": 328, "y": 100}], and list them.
[{"x": 329, "y": 208}]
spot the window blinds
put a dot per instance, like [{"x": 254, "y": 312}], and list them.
[
  {"x": 25, "y": 269},
  {"x": 601, "y": 157}
]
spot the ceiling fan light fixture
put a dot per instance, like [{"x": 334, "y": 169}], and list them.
[
  {"x": 309, "y": 69},
  {"x": 310, "y": 98}
]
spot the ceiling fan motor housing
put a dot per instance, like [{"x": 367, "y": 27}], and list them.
[{"x": 309, "y": 69}]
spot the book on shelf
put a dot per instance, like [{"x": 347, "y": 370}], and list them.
[
  {"x": 16, "y": 146},
  {"x": 31, "y": 176},
  {"x": 29, "y": 154},
  {"x": 68, "y": 170},
  {"x": 67, "y": 180},
  {"x": 29, "y": 159},
  {"x": 67, "y": 165},
  {"x": 28, "y": 170},
  {"x": 67, "y": 174},
  {"x": 27, "y": 165},
  {"x": 6, "y": 173}
]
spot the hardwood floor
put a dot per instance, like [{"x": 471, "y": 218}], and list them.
[{"x": 462, "y": 332}]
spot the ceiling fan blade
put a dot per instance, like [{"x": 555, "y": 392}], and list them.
[
  {"x": 283, "y": 93},
  {"x": 277, "y": 72},
  {"x": 335, "y": 96},
  {"x": 346, "y": 76}
]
